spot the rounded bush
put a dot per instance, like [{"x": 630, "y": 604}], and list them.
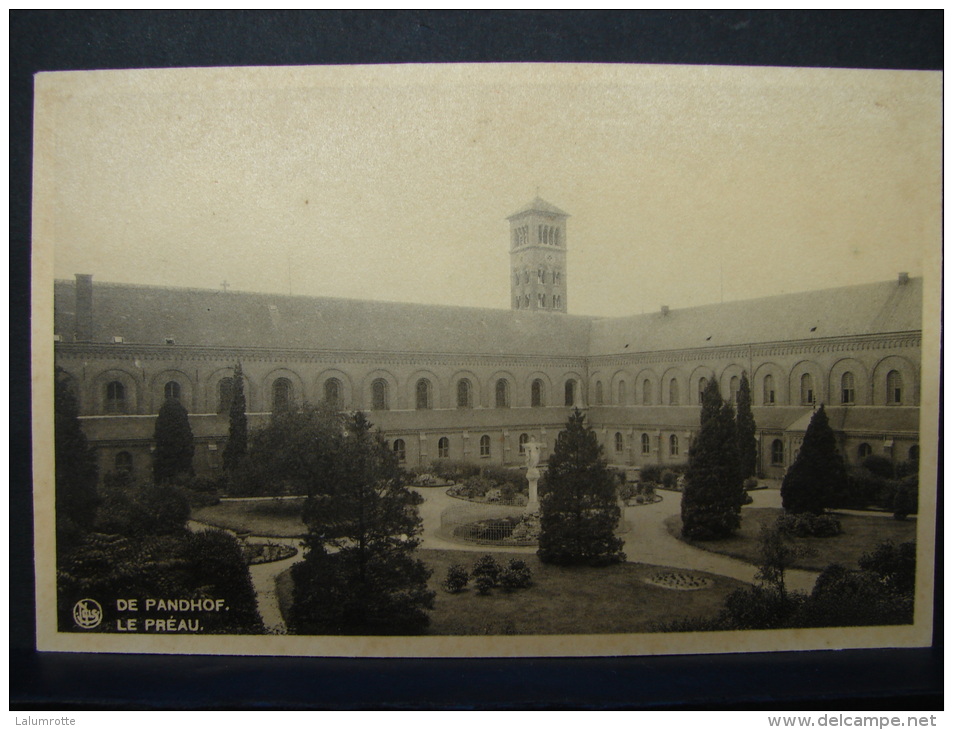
[{"x": 457, "y": 579}]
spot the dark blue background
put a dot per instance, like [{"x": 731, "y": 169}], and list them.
[{"x": 60, "y": 40}]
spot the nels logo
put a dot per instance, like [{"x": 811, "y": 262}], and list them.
[{"x": 87, "y": 613}]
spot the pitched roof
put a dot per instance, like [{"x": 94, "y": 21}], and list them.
[
  {"x": 853, "y": 310},
  {"x": 538, "y": 205},
  {"x": 149, "y": 315}
]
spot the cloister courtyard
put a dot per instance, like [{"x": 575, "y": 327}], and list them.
[{"x": 625, "y": 598}]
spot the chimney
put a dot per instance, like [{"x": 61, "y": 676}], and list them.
[
  {"x": 664, "y": 310},
  {"x": 903, "y": 278},
  {"x": 84, "y": 307}
]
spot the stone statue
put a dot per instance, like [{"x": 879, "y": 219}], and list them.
[{"x": 531, "y": 450}]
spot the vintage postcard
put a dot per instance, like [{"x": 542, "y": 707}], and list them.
[{"x": 485, "y": 360}]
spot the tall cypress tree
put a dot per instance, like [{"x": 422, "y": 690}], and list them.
[
  {"x": 75, "y": 465},
  {"x": 237, "y": 445},
  {"x": 579, "y": 511},
  {"x": 746, "y": 427},
  {"x": 817, "y": 473},
  {"x": 175, "y": 445},
  {"x": 711, "y": 502}
]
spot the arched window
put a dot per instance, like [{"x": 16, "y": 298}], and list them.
[
  {"x": 400, "y": 450},
  {"x": 526, "y": 300},
  {"x": 807, "y": 389},
  {"x": 673, "y": 445},
  {"x": 423, "y": 394},
  {"x": 864, "y": 450},
  {"x": 646, "y": 392},
  {"x": 734, "y": 385},
  {"x": 599, "y": 394},
  {"x": 502, "y": 393},
  {"x": 226, "y": 390},
  {"x": 379, "y": 395},
  {"x": 115, "y": 397},
  {"x": 281, "y": 395},
  {"x": 484, "y": 445},
  {"x": 124, "y": 462},
  {"x": 673, "y": 392},
  {"x": 622, "y": 393},
  {"x": 557, "y": 301},
  {"x": 464, "y": 394},
  {"x": 894, "y": 388},
  {"x": 541, "y": 300},
  {"x": 702, "y": 384},
  {"x": 536, "y": 393},
  {"x": 646, "y": 444},
  {"x": 333, "y": 393},
  {"x": 570, "y": 393},
  {"x": 172, "y": 390},
  {"x": 443, "y": 447},
  {"x": 768, "y": 390},
  {"x": 619, "y": 442},
  {"x": 523, "y": 439},
  {"x": 777, "y": 452},
  {"x": 914, "y": 453},
  {"x": 847, "y": 388}
]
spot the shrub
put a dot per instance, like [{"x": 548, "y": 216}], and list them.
[
  {"x": 651, "y": 473},
  {"x": 149, "y": 510},
  {"x": 746, "y": 498},
  {"x": 648, "y": 490},
  {"x": 488, "y": 569},
  {"x": 759, "y": 607},
  {"x": 640, "y": 499},
  {"x": 843, "y": 597},
  {"x": 896, "y": 565},
  {"x": 117, "y": 480},
  {"x": 516, "y": 575},
  {"x": 457, "y": 579},
  {"x": 750, "y": 483},
  {"x": 669, "y": 479},
  {"x": 806, "y": 524},
  {"x": 906, "y": 498},
  {"x": 628, "y": 491},
  {"x": 879, "y": 466}
]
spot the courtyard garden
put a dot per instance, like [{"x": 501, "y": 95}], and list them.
[
  {"x": 621, "y": 598},
  {"x": 860, "y": 534}
]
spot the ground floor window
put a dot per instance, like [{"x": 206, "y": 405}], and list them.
[
  {"x": 619, "y": 442},
  {"x": 484, "y": 445},
  {"x": 400, "y": 450},
  {"x": 443, "y": 448},
  {"x": 646, "y": 444},
  {"x": 777, "y": 452},
  {"x": 673, "y": 445},
  {"x": 864, "y": 450}
]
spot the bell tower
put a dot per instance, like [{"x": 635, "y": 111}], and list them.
[{"x": 538, "y": 257}]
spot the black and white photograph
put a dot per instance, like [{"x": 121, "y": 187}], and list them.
[{"x": 485, "y": 360}]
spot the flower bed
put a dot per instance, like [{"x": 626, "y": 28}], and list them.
[
  {"x": 510, "y": 531},
  {"x": 679, "y": 581}
]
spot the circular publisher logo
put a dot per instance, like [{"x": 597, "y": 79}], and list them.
[{"x": 87, "y": 613}]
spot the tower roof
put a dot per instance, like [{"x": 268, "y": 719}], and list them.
[{"x": 538, "y": 205}]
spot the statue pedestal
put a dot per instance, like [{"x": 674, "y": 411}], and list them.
[{"x": 532, "y": 476}]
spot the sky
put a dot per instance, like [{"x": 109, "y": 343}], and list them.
[{"x": 685, "y": 185}]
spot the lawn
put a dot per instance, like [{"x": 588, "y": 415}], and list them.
[
  {"x": 861, "y": 535},
  {"x": 266, "y": 517},
  {"x": 561, "y": 600}
]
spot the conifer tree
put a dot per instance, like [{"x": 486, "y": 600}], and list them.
[
  {"x": 746, "y": 427},
  {"x": 75, "y": 466},
  {"x": 360, "y": 574},
  {"x": 711, "y": 502},
  {"x": 175, "y": 445},
  {"x": 817, "y": 473},
  {"x": 579, "y": 510},
  {"x": 237, "y": 445}
]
